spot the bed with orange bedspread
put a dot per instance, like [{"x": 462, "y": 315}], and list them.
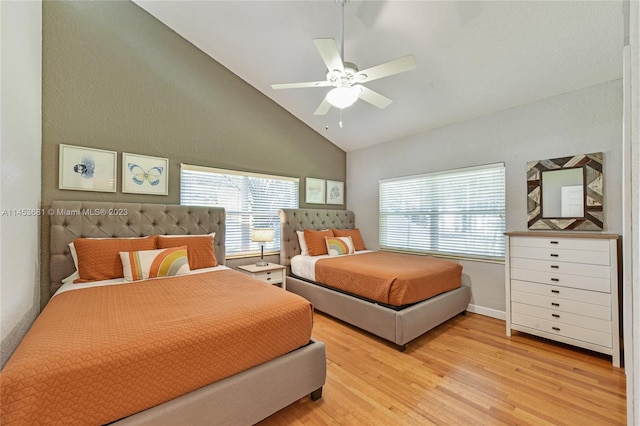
[
  {"x": 210, "y": 346},
  {"x": 133, "y": 346},
  {"x": 395, "y": 296},
  {"x": 389, "y": 278}
]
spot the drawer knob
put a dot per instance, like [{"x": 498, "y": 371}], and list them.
[
  {"x": 555, "y": 315},
  {"x": 555, "y": 255},
  {"x": 553, "y": 242},
  {"x": 555, "y": 280},
  {"x": 268, "y": 278},
  {"x": 555, "y": 267},
  {"x": 555, "y": 291},
  {"x": 555, "y": 304},
  {"x": 556, "y": 328}
]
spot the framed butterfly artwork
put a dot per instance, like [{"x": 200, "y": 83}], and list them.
[{"x": 142, "y": 174}]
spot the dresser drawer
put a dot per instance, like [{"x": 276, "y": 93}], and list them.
[
  {"x": 562, "y": 318},
  {"x": 561, "y": 255},
  {"x": 562, "y": 305},
  {"x": 562, "y": 280},
  {"x": 563, "y": 293},
  {"x": 596, "y": 271},
  {"x": 562, "y": 243},
  {"x": 573, "y": 332}
]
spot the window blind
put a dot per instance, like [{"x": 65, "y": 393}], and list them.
[
  {"x": 251, "y": 200},
  {"x": 457, "y": 213}
]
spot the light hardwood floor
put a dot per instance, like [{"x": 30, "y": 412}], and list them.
[{"x": 464, "y": 372}]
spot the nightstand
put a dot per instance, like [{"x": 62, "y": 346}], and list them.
[{"x": 272, "y": 273}]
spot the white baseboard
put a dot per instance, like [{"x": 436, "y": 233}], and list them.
[{"x": 493, "y": 313}]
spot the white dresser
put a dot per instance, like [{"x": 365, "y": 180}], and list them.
[{"x": 564, "y": 287}]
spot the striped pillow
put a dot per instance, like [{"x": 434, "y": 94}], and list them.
[
  {"x": 140, "y": 265},
  {"x": 337, "y": 246}
]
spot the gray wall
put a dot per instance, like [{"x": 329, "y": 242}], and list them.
[
  {"x": 116, "y": 78},
  {"x": 585, "y": 121}
]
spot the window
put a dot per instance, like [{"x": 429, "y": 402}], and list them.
[
  {"x": 456, "y": 213},
  {"x": 250, "y": 200}
]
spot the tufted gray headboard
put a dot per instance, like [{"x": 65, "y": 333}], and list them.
[
  {"x": 292, "y": 220},
  {"x": 73, "y": 219}
]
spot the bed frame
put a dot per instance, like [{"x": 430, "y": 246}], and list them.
[
  {"x": 244, "y": 398},
  {"x": 396, "y": 326}
]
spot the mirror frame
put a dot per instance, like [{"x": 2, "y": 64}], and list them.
[{"x": 594, "y": 193}]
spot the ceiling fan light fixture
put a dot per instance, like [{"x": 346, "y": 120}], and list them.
[{"x": 343, "y": 97}]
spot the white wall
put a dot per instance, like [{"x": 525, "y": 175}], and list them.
[
  {"x": 632, "y": 235},
  {"x": 584, "y": 121},
  {"x": 20, "y": 151}
]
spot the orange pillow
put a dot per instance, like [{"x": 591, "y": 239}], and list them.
[
  {"x": 316, "y": 242},
  {"x": 358, "y": 242},
  {"x": 99, "y": 258},
  {"x": 199, "y": 248}
]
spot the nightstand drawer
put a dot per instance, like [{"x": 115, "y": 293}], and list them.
[
  {"x": 272, "y": 277},
  {"x": 271, "y": 273}
]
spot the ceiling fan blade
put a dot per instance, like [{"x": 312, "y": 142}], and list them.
[
  {"x": 397, "y": 66},
  {"x": 323, "y": 108},
  {"x": 330, "y": 55},
  {"x": 374, "y": 98},
  {"x": 301, "y": 85}
]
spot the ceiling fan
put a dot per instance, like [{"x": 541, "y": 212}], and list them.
[{"x": 346, "y": 79}]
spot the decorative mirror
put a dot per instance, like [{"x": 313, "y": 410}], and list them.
[{"x": 565, "y": 193}]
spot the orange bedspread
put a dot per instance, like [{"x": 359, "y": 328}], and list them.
[
  {"x": 99, "y": 354},
  {"x": 390, "y": 278}
]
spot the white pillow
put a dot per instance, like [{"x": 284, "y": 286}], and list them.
[
  {"x": 304, "y": 250},
  {"x": 74, "y": 256},
  {"x": 144, "y": 264}
]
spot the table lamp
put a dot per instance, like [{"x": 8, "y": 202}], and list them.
[{"x": 262, "y": 235}]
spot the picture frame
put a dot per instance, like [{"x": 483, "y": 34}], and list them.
[
  {"x": 87, "y": 169},
  {"x": 335, "y": 192},
  {"x": 143, "y": 174},
  {"x": 314, "y": 191}
]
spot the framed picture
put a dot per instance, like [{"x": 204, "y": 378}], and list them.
[
  {"x": 87, "y": 169},
  {"x": 335, "y": 192},
  {"x": 142, "y": 174},
  {"x": 314, "y": 191}
]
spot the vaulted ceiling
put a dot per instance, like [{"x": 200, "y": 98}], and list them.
[{"x": 473, "y": 57}]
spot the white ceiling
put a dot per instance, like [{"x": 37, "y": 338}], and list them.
[{"x": 474, "y": 57}]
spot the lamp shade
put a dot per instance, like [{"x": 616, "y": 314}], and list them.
[
  {"x": 262, "y": 235},
  {"x": 342, "y": 97}
]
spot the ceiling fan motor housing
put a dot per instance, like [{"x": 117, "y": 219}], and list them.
[{"x": 346, "y": 78}]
